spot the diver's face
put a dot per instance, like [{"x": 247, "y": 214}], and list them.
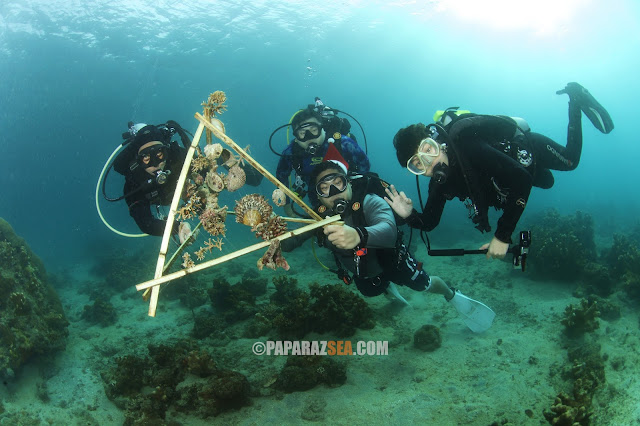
[
  {"x": 426, "y": 158},
  {"x": 152, "y": 157},
  {"x": 328, "y": 178},
  {"x": 308, "y": 132}
]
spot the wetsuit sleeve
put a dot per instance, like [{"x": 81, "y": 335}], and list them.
[
  {"x": 285, "y": 166},
  {"x": 284, "y": 170},
  {"x": 254, "y": 177},
  {"x": 355, "y": 156},
  {"x": 432, "y": 212},
  {"x": 140, "y": 211},
  {"x": 472, "y": 138},
  {"x": 293, "y": 243},
  {"x": 382, "y": 229}
]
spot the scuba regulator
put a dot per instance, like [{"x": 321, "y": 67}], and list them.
[
  {"x": 440, "y": 173},
  {"x": 162, "y": 176},
  {"x": 341, "y": 206}
]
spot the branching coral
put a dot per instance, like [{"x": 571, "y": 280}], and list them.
[
  {"x": 190, "y": 208},
  {"x": 567, "y": 411},
  {"x": 562, "y": 245},
  {"x": 202, "y": 163},
  {"x": 211, "y": 244},
  {"x": 187, "y": 262},
  {"x": 214, "y": 105},
  {"x": 581, "y": 320},
  {"x": 213, "y": 220},
  {"x": 624, "y": 261},
  {"x": 179, "y": 377},
  {"x": 274, "y": 227},
  {"x": 588, "y": 373}
]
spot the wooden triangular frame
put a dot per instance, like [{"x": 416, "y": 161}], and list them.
[{"x": 153, "y": 285}]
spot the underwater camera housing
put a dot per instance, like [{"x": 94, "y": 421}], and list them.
[{"x": 521, "y": 251}]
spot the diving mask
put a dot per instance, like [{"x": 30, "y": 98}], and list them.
[
  {"x": 307, "y": 131},
  {"x": 428, "y": 151},
  {"x": 152, "y": 156},
  {"x": 330, "y": 185}
]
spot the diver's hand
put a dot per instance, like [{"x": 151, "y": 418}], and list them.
[
  {"x": 342, "y": 236},
  {"x": 496, "y": 249},
  {"x": 399, "y": 202},
  {"x": 184, "y": 232}
]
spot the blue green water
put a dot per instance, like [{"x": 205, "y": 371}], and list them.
[{"x": 73, "y": 74}]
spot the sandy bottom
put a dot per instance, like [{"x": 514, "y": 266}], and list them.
[{"x": 471, "y": 379}]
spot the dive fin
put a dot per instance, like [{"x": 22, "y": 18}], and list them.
[
  {"x": 394, "y": 290},
  {"x": 588, "y": 104},
  {"x": 476, "y": 315}
]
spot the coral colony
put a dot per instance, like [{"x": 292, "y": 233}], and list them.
[
  {"x": 207, "y": 181},
  {"x": 254, "y": 210}
]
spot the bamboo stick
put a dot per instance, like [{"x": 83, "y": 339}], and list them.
[
  {"x": 168, "y": 264},
  {"x": 155, "y": 283},
  {"x": 226, "y": 139},
  {"x": 294, "y": 219},
  {"x": 153, "y": 302}
]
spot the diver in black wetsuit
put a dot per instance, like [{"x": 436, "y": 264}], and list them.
[
  {"x": 490, "y": 161},
  {"x": 369, "y": 244},
  {"x": 151, "y": 164}
]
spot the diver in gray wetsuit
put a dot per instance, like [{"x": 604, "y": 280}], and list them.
[{"x": 369, "y": 244}]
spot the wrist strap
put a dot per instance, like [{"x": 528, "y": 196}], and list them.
[{"x": 364, "y": 235}]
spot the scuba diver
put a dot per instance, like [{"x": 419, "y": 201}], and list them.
[
  {"x": 369, "y": 244},
  {"x": 314, "y": 129},
  {"x": 488, "y": 161},
  {"x": 151, "y": 164}
]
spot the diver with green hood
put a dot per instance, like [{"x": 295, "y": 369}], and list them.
[{"x": 488, "y": 161}]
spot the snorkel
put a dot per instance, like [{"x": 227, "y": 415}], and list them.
[{"x": 440, "y": 172}]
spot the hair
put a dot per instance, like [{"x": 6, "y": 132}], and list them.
[
  {"x": 325, "y": 165},
  {"x": 304, "y": 115},
  {"x": 407, "y": 141}
]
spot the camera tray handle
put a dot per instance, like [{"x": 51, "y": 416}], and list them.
[{"x": 519, "y": 251}]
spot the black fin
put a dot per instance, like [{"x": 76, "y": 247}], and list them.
[{"x": 588, "y": 104}]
